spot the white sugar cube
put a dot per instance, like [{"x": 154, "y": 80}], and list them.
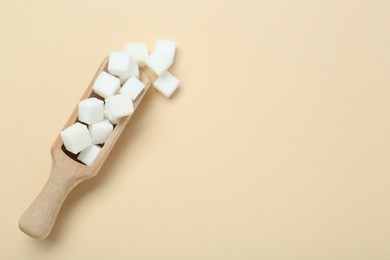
[
  {"x": 166, "y": 84},
  {"x": 120, "y": 105},
  {"x": 106, "y": 85},
  {"x": 166, "y": 46},
  {"x": 132, "y": 87},
  {"x": 100, "y": 131},
  {"x": 107, "y": 115},
  {"x": 76, "y": 138},
  {"x": 138, "y": 51},
  {"x": 134, "y": 71},
  {"x": 91, "y": 110},
  {"x": 89, "y": 154},
  {"x": 119, "y": 63},
  {"x": 159, "y": 62}
]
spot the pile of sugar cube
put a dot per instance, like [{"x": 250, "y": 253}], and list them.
[{"x": 117, "y": 89}]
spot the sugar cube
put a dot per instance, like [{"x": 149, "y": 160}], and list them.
[
  {"x": 89, "y": 154},
  {"x": 134, "y": 71},
  {"x": 166, "y": 46},
  {"x": 76, "y": 138},
  {"x": 120, "y": 105},
  {"x": 107, "y": 114},
  {"x": 100, "y": 131},
  {"x": 91, "y": 110},
  {"x": 166, "y": 84},
  {"x": 119, "y": 63},
  {"x": 106, "y": 85},
  {"x": 132, "y": 87},
  {"x": 138, "y": 51},
  {"x": 159, "y": 62}
]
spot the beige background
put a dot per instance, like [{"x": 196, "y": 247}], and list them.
[{"x": 276, "y": 146}]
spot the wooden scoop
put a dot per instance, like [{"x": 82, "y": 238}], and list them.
[{"x": 66, "y": 172}]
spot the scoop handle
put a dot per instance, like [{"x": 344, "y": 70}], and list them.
[{"x": 39, "y": 218}]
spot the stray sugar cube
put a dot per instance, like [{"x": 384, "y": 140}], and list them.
[
  {"x": 132, "y": 87},
  {"x": 106, "y": 85},
  {"x": 166, "y": 46},
  {"x": 91, "y": 110},
  {"x": 159, "y": 62},
  {"x": 89, "y": 154},
  {"x": 120, "y": 105},
  {"x": 76, "y": 138},
  {"x": 166, "y": 84},
  {"x": 100, "y": 131},
  {"x": 138, "y": 51}
]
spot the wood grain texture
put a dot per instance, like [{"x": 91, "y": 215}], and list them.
[{"x": 38, "y": 220}]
